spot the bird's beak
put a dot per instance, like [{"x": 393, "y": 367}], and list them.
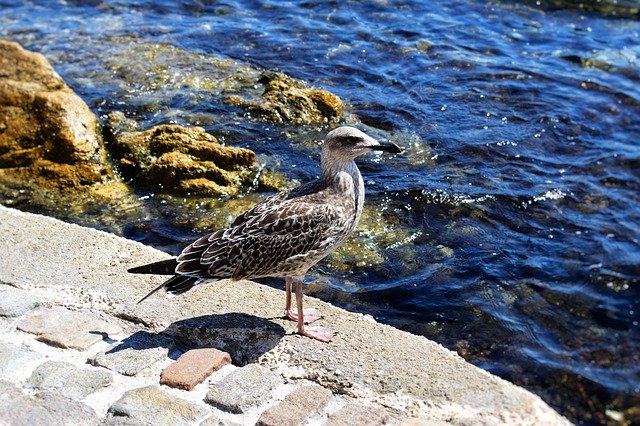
[{"x": 387, "y": 147}]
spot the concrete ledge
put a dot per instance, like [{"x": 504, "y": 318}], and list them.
[{"x": 415, "y": 379}]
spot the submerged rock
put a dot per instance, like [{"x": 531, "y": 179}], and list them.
[
  {"x": 48, "y": 135},
  {"x": 286, "y": 100},
  {"x": 179, "y": 159},
  {"x": 149, "y": 77}
]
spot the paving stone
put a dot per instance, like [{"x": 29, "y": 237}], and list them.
[
  {"x": 135, "y": 353},
  {"x": 46, "y": 408},
  {"x": 152, "y": 405},
  {"x": 242, "y": 389},
  {"x": 15, "y": 302},
  {"x": 216, "y": 421},
  {"x": 297, "y": 407},
  {"x": 68, "y": 329},
  {"x": 68, "y": 380},
  {"x": 12, "y": 357},
  {"x": 358, "y": 414},
  {"x": 193, "y": 367}
]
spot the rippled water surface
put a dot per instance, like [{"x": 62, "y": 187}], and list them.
[{"x": 519, "y": 192}]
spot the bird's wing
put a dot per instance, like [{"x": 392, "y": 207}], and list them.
[
  {"x": 285, "y": 239},
  {"x": 261, "y": 208}
]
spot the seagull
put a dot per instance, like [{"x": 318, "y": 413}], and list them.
[{"x": 285, "y": 234}]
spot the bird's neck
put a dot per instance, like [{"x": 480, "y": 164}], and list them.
[{"x": 344, "y": 176}]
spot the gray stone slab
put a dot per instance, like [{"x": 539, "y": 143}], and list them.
[
  {"x": 12, "y": 357},
  {"x": 15, "y": 302},
  {"x": 297, "y": 407},
  {"x": 151, "y": 405},
  {"x": 358, "y": 414},
  {"x": 68, "y": 380},
  {"x": 68, "y": 329},
  {"x": 135, "y": 353},
  {"x": 242, "y": 389},
  {"x": 45, "y": 408}
]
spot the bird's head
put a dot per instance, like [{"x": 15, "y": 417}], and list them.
[{"x": 347, "y": 143}]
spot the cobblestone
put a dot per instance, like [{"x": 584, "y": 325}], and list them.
[
  {"x": 12, "y": 357},
  {"x": 67, "y": 329},
  {"x": 242, "y": 389},
  {"x": 68, "y": 380},
  {"x": 297, "y": 407},
  {"x": 15, "y": 302},
  {"x": 358, "y": 414},
  {"x": 45, "y": 408},
  {"x": 135, "y": 353},
  {"x": 154, "y": 406},
  {"x": 193, "y": 367}
]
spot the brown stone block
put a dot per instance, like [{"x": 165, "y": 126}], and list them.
[{"x": 193, "y": 367}]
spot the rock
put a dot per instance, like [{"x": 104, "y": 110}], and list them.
[
  {"x": 358, "y": 414},
  {"x": 297, "y": 407},
  {"x": 180, "y": 159},
  {"x": 67, "y": 380},
  {"x": 193, "y": 367},
  {"x": 135, "y": 353},
  {"x": 216, "y": 421},
  {"x": 12, "y": 357},
  {"x": 15, "y": 302},
  {"x": 151, "y": 405},
  {"x": 242, "y": 389},
  {"x": 244, "y": 337},
  {"x": 286, "y": 100},
  {"x": 45, "y": 408},
  {"x": 49, "y": 136},
  {"x": 67, "y": 329}
]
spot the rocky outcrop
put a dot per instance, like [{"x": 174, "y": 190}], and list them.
[
  {"x": 48, "y": 136},
  {"x": 286, "y": 100},
  {"x": 179, "y": 159}
]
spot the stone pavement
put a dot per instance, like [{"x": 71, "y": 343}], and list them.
[{"x": 76, "y": 349}]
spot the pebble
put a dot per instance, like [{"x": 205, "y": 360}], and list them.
[
  {"x": 193, "y": 367},
  {"x": 358, "y": 414},
  {"x": 15, "y": 302},
  {"x": 68, "y": 380},
  {"x": 135, "y": 353},
  {"x": 45, "y": 408},
  {"x": 297, "y": 407},
  {"x": 152, "y": 405},
  {"x": 12, "y": 357},
  {"x": 243, "y": 389},
  {"x": 68, "y": 329}
]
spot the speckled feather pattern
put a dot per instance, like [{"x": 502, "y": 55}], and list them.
[{"x": 284, "y": 235}]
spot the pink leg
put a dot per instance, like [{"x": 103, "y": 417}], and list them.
[
  {"x": 317, "y": 332},
  {"x": 310, "y": 315}
]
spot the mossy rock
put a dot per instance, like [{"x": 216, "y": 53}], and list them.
[{"x": 179, "y": 159}]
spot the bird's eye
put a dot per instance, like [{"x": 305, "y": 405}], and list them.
[{"x": 353, "y": 140}]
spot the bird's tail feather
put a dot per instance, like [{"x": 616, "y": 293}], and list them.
[
  {"x": 163, "y": 267},
  {"x": 175, "y": 285}
]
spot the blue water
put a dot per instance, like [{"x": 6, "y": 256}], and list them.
[{"x": 520, "y": 185}]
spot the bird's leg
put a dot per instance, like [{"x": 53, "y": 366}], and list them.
[
  {"x": 310, "y": 314},
  {"x": 317, "y": 332}
]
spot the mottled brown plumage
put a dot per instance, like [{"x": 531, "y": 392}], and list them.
[{"x": 285, "y": 234}]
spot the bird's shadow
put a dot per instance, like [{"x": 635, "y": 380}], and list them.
[{"x": 245, "y": 337}]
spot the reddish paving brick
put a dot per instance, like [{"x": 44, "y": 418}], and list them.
[
  {"x": 193, "y": 367},
  {"x": 358, "y": 414},
  {"x": 298, "y": 406},
  {"x": 68, "y": 329}
]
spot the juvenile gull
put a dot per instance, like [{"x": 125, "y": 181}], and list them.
[{"x": 285, "y": 234}]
